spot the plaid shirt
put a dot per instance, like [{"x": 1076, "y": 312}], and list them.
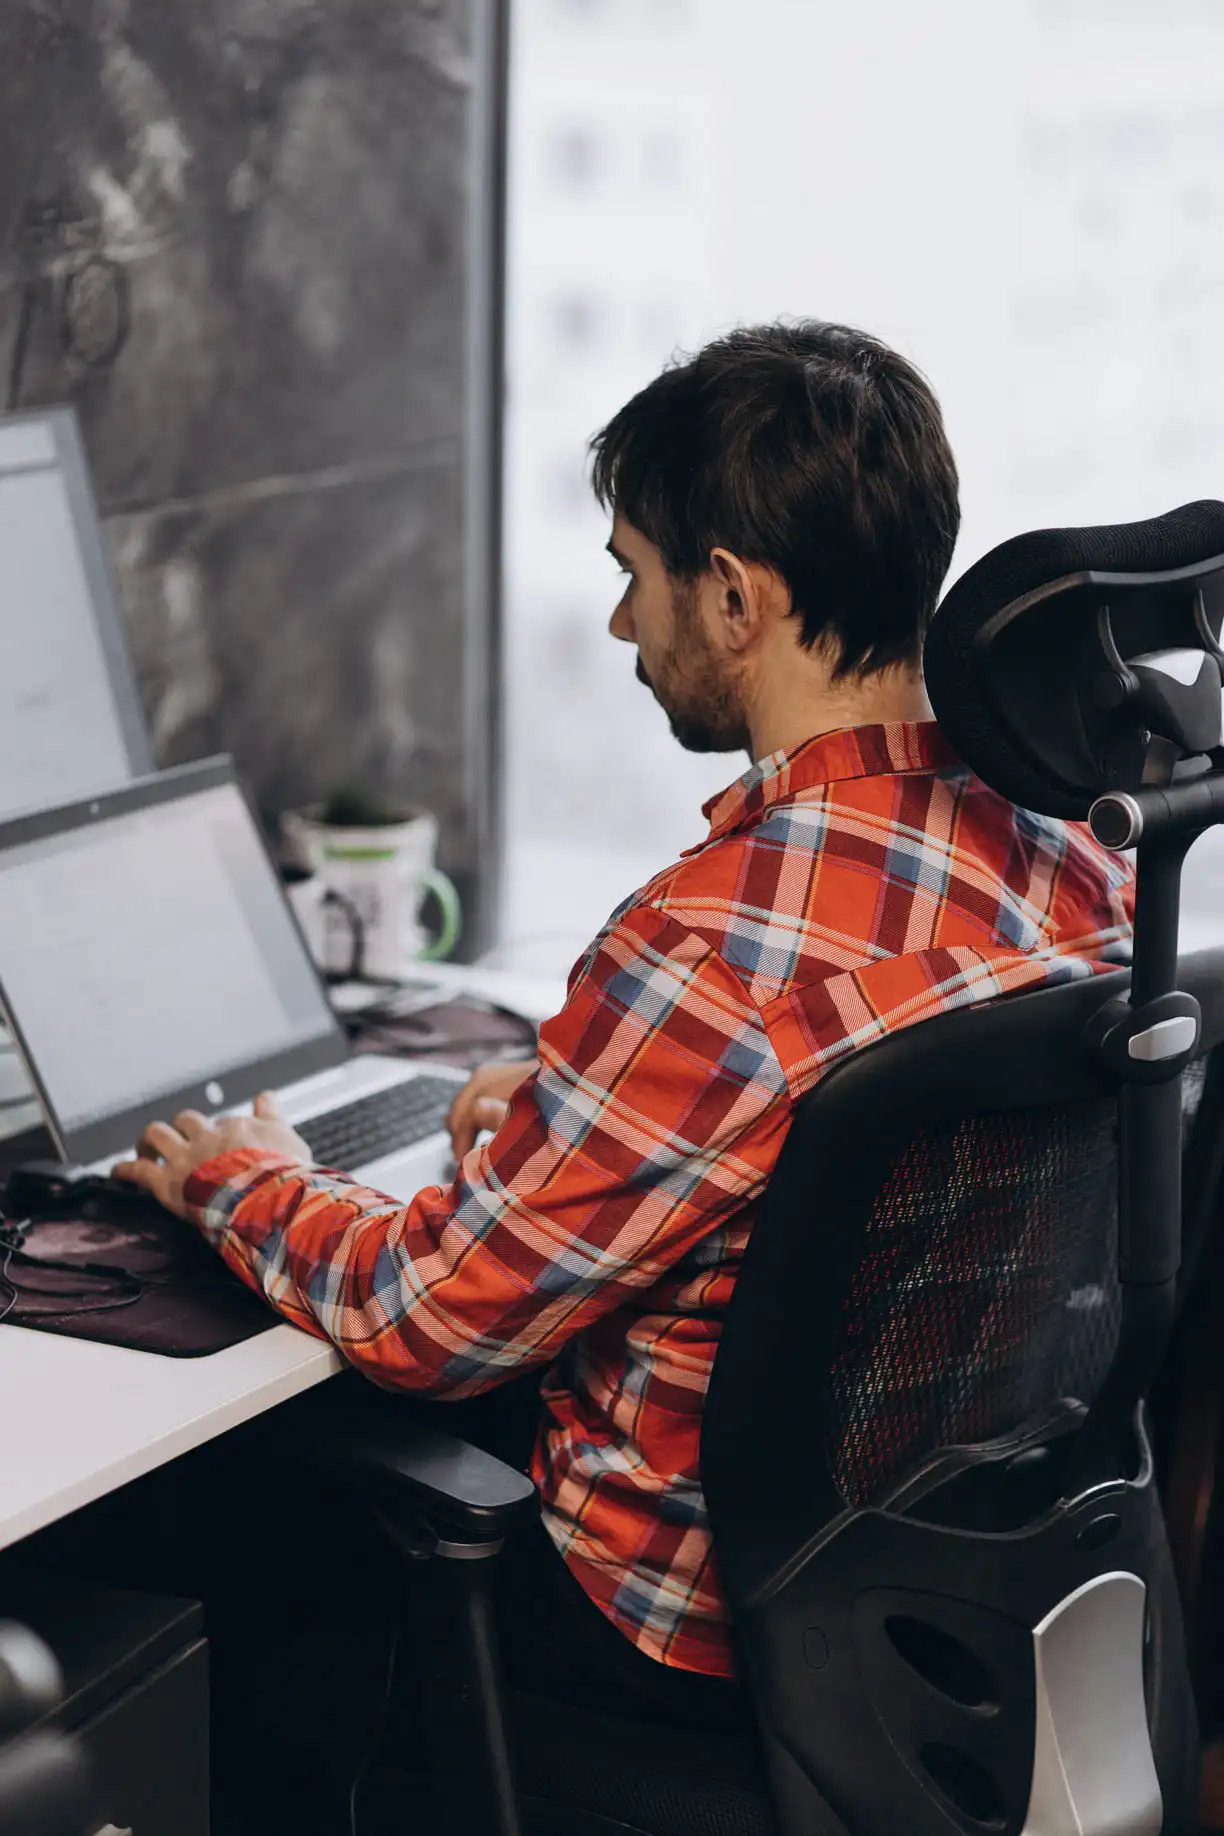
[{"x": 858, "y": 884}]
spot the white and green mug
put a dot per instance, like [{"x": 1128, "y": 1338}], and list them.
[{"x": 382, "y": 873}]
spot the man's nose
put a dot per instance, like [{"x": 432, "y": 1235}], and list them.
[{"x": 621, "y": 624}]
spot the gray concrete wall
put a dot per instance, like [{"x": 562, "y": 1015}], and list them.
[{"x": 236, "y": 233}]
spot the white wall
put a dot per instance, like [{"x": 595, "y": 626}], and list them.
[{"x": 1027, "y": 197}]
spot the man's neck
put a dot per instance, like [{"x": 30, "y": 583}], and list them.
[{"x": 802, "y": 710}]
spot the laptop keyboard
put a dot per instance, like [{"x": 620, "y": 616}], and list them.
[{"x": 379, "y": 1124}]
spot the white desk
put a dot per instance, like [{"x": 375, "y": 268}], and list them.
[{"x": 82, "y": 1419}]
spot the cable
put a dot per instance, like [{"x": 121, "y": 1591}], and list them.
[
  {"x": 13, "y": 1239},
  {"x": 12, "y": 1287},
  {"x": 79, "y": 1305},
  {"x": 380, "y": 1722}
]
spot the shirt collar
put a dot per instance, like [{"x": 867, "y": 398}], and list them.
[{"x": 829, "y": 758}]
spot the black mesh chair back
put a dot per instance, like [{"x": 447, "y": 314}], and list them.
[
  {"x": 986, "y": 1288},
  {"x": 955, "y": 1608},
  {"x": 928, "y": 1304}
]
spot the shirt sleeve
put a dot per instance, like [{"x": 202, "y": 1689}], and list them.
[{"x": 656, "y": 1114}]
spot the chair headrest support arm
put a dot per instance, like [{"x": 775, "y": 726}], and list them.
[{"x": 1079, "y": 672}]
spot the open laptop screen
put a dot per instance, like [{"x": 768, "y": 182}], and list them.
[
  {"x": 70, "y": 719},
  {"x": 150, "y": 961}
]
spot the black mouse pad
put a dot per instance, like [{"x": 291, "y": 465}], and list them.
[
  {"x": 189, "y": 1303},
  {"x": 179, "y": 1300}
]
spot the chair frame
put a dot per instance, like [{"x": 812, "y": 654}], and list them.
[
  {"x": 441, "y": 1499},
  {"x": 795, "y": 1557}
]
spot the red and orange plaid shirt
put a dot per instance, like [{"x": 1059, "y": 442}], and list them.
[{"x": 862, "y": 882}]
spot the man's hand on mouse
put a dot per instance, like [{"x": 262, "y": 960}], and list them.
[
  {"x": 484, "y": 1100},
  {"x": 170, "y": 1152}
]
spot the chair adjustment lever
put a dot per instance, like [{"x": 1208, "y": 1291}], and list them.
[{"x": 1149, "y": 1044}]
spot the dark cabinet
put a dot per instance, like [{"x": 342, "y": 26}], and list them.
[{"x": 136, "y": 1696}]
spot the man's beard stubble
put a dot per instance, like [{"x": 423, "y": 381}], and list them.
[{"x": 702, "y": 708}]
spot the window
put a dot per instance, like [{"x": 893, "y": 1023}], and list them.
[{"x": 1021, "y": 199}]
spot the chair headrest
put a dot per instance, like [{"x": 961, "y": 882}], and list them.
[{"x": 1071, "y": 662}]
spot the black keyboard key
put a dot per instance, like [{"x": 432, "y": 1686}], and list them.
[{"x": 379, "y": 1124}]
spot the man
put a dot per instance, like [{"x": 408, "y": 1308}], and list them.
[{"x": 785, "y": 510}]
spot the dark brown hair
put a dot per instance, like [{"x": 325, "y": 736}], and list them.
[{"x": 809, "y": 448}]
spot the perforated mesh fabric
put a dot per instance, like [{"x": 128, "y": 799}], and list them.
[
  {"x": 987, "y": 1289},
  {"x": 1185, "y": 537},
  {"x": 1194, "y": 1082}
]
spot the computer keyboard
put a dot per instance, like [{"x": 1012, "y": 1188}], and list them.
[{"x": 380, "y": 1124}]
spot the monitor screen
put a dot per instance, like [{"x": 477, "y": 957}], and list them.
[
  {"x": 70, "y": 721},
  {"x": 149, "y": 953}
]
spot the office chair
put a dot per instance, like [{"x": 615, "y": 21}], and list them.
[
  {"x": 925, "y": 1449},
  {"x": 43, "y": 1776},
  {"x": 1191, "y": 1415}
]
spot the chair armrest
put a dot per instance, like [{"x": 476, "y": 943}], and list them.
[
  {"x": 376, "y": 1442},
  {"x": 440, "y": 1472},
  {"x": 455, "y": 1488}
]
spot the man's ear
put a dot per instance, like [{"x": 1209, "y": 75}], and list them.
[{"x": 748, "y": 597}]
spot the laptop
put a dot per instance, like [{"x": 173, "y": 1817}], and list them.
[
  {"x": 70, "y": 715},
  {"x": 150, "y": 963}
]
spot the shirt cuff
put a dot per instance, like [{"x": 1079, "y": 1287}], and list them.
[{"x": 215, "y": 1188}]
